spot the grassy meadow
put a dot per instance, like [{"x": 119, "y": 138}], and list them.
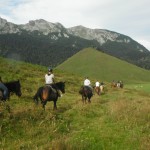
[
  {"x": 119, "y": 119},
  {"x": 95, "y": 64}
]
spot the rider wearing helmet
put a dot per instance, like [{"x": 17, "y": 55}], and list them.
[
  {"x": 87, "y": 82},
  {"x": 49, "y": 80},
  {"x": 49, "y": 77}
]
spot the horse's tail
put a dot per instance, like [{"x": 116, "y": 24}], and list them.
[{"x": 37, "y": 94}]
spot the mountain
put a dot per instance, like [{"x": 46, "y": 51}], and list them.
[
  {"x": 115, "y": 44},
  {"x": 94, "y": 64},
  {"x": 50, "y": 44}
]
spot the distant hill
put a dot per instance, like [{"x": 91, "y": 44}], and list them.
[
  {"x": 94, "y": 64},
  {"x": 50, "y": 44}
]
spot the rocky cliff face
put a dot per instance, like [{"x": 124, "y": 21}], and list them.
[
  {"x": 43, "y": 27},
  {"x": 8, "y": 27},
  {"x": 102, "y": 36}
]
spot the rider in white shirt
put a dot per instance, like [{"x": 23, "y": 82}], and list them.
[
  {"x": 97, "y": 84},
  {"x": 88, "y": 83},
  {"x": 49, "y": 78}
]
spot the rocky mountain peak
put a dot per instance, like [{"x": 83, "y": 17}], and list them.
[
  {"x": 42, "y": 26},
  {"x": 7, "y": 27},
  {"x": 2, "y": 22},
  {"x": 93, "y": 34}
]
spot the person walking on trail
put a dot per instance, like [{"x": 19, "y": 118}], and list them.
[
  {"x": 50, "y": 81},
  {"x": 4, "y": 89}
]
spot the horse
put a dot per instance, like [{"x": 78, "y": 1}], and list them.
[
  {"x": 13, "y": 87},
  {"x": 118, "y": 84},
  {"x": 113, "y": 84},
  {"x": 102, "y": 88},
  {"x": 86, "y": 93},
  {"x": 97, "y": 90},
  {"x": 49, "y": 93}
]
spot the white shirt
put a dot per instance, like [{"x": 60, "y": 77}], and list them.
[
  {"x": 87, "y": 82},
  {"x": 49, "y": 78},
  {"x": 97, "y": 84}
]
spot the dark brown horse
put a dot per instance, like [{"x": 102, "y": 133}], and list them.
[
  {"x": 86, "y": 93},
  {"x": 49, "y": 93},
  {"x": 13, "y": 87}
]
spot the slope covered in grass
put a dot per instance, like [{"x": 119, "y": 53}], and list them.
[
  {"x": 94, "y": 64},
  {"x": 118, "y": 119}
]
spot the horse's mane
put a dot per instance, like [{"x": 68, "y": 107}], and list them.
[
  {"x": 58, "y": 83},
  {"x": 11, "y": 82}
]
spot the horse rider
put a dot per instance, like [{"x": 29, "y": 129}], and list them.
[
  {"x": 49, "y": 80},
  {"x": 97, "y": 84},
  {"x": 118, "y": 84},
  {"x": 88, "y": 83},
  {"x": 4, "y": 89}
]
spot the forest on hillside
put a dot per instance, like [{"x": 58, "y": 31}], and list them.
[{"x": 44, "y": 50}]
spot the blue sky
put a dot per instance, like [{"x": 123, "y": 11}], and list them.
[{"x": 130, "y": 17}]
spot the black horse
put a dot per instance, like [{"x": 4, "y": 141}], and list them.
[
  {"x": 13, "y": 87},
  {"x": 86, "y": 93},
  {"x": 49, "y": 93}
]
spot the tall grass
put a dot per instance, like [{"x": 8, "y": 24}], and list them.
[{"x": 118, "y": 119}]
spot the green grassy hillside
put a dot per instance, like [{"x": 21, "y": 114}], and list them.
[
  {"x": 94, "y": 64},
  {"x": 116, "y": 120}
]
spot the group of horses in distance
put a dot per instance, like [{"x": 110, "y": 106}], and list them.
[
  {"x": 118, "y": 84},
  {"x": 87, "y": 92}
]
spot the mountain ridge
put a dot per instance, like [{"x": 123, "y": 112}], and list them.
[{"x": 110, "y": 42}]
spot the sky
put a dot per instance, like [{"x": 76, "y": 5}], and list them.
[{"x": 128, "y": 17}]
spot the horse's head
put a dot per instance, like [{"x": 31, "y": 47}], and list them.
[
  {"x": 18, "y": 88},
  {"x": 61, "y": 86}
]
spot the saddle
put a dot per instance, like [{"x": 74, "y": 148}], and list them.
[{"x": 46, "y": 90}]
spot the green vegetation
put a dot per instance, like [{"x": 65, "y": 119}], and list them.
[
  {"x": 37, "y": 48},
  {"x": 94, "y": 64},
  {"x": 117, "y": 120},
  {"x": 55, "y": 48}
]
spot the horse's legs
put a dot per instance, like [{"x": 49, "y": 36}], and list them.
[
  {"x": 43, "y": 104},
  {"x": 35, "y": 98},
  {"x": 89, "y": 100},
  {"x": 83, "y": 99},
  {"x": 55, "y": 106}
]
